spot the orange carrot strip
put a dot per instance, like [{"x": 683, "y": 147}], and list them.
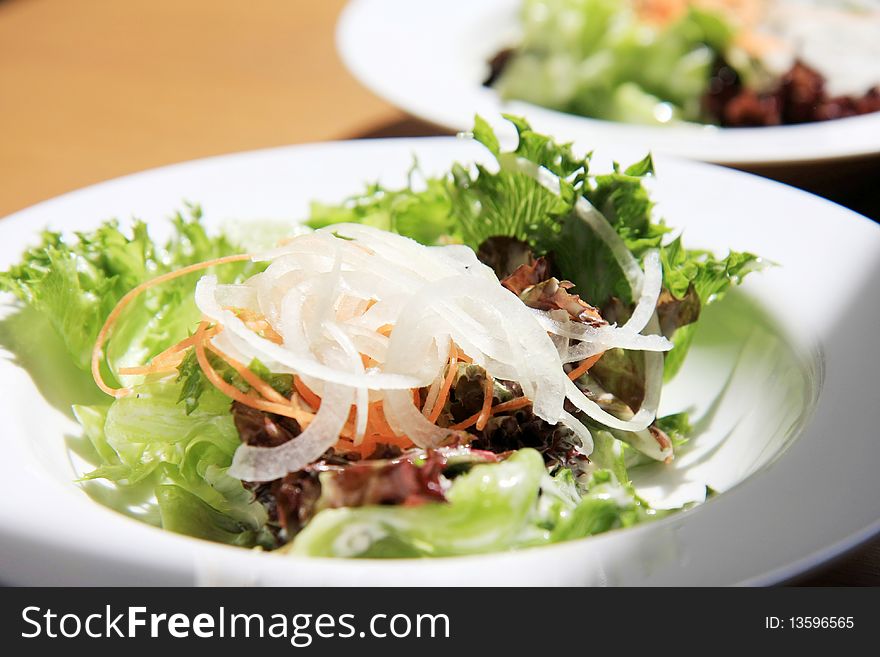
[
  {"x": 190, "y": 341},
  {"x": 464, "y": 424},
  {"x": 168, "y": 360},
  {"x": 152, "y": 368},
  {"x": 257, "y": 323},
  {"x": 306, "y": 393},
  {"x": 440, "y": 402},
  {"x": 584, "y": 366},
  {"x": 376, "y": 423},
  {"x": 253, "y": 380},
  {"x": 486, "y": 411},
  {"x": 345, "y": 445},
  {"x": 287, "y": 410},
  {"x": 131, "y": 295},
  {"x": 511, "y": 405},
  {"x": 378, "y": 417}
]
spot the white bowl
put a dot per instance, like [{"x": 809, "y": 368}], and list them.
[
  {"x": 431, "y": 57},
  {"x": 782, "y": 380}
]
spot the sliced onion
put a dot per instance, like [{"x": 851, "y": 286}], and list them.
[
  {"x": 588, "y": 214},
  {"x": 269, "y": 463},
  {"x": 651, "y": 286},
  {"x": 332, "y": 294},
  {"x": 260, "y": 347},
  {"x": 606, "y": 337},
  {"x": 407, "y": 420},
  {"x": 361, "y": 398}
]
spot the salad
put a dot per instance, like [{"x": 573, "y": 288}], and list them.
[
  {"x": 469, "y": 364},
  {"x": 733, "y": 63}
]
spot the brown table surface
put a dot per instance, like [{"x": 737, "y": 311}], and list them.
[{"x": 94, "y": 89}]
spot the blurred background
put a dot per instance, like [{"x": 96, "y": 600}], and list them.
[{"x": 94, "y": 89}]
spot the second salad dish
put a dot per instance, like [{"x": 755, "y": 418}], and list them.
[
  {"x": 735, "y": 63},
  {"x": 746, "y": 82}
]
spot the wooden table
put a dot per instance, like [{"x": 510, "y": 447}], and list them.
[{"x": 94, "y": 89}]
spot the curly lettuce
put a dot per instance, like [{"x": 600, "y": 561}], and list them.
[
  {"x": 76, "y": 283},
  {"x": 149, "y": 436},
  {"x": 470, "y": 205},
  {"x": 181, "y": 451}
]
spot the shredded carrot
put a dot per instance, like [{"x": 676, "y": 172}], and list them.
[
  {"x": 264, "y": 329},
  {"x": 131, "y": 295},
  {"x": 253, "y": 380},
  {"x": 287, "y": 410},
  {"x": 464, "y": 424},
  {"x": 168, "y": 360},
  {"x": 440, "y": 402},
  {"x": 417, "y": 397},
  {"x": 378, "y": 431},
  {"x": 504, "y": 407},
  {"x": 584, "y": 366},
  {"x": 306, "y": 393},
  {"x": 486, "y": 411},
  {"x": 152, "y": 368},
  {"x": 187, "y": 342},
  {"x": 512, "y": 405},
  {"x": 257, "y": 323},
  {"x": 164, "y": 362},
  {"x": 368, "y": 446},
  {"x": 377, "y": 417},
  {"x": 346, "y": 445},
  {"x": 372, "y": 412},
  {"x": 370, "y": 442},
  {"x": 348, "y": 429},
  {"x": 428, "y": 405}
]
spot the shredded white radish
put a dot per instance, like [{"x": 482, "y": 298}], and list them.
[
  {"x": 647, "y": 303},
  {"x": 645, "y": 286},
  {"x": 407, "y": 420},
  {"x": 268, "y": 463},
  {"x": 362, "y": 399},
  {"x": 365, "y": 315}
]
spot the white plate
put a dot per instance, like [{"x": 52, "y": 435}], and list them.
[
  {"x": 430, "y": 58},
  {"x": 755, "y": 379}
]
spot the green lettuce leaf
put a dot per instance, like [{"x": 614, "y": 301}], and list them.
[
  {"x": 677, "y": 426},
  {"x": 148, "y": 436},
  {"x": 598, "y": 58},
  {"x": 76, "y": 283},
  {"x": 421, "y": 213},
  {"x": 194, "y": 382},
  {"x": 493, "y": 507},
  {"x": 488, "y": 508},
  {"x": 185, "y": 513},
  {"x": 609, "y": 453}
]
